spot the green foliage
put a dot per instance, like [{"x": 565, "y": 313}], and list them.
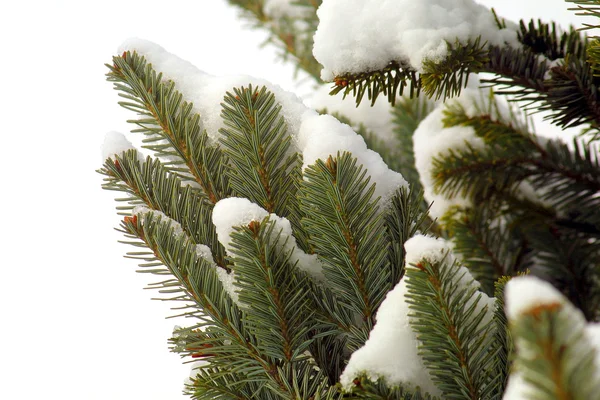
[
  {"x": 390, "y": 81},
  {"x": 502, "y": 344},
  {"x": 559, "y": 226},
  {"x": 446, "y": 78},
  {"x": 264, "y": 169},
  {"x": 278, "y": 311},
  {"x": 450, "y": 320},
  {"x": 344, "y": 227},
  {"x": 172, "y": 130},
  {"x": 406, "y": 116},
  {"x": 405, "y": 206},
  {"x": 152, "y": 185}
]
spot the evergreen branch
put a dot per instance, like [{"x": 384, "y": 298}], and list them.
[
  {"x": 403, "y": 219},
  {"x": 344, "y": 228},
  {"x": 389, "y": 81},
  {"x": 212, "y": 384},
  {"x": 519, "y": 72},
  {"x": 264, "y": 168},
  {"x": 553, "y": 353},
  {"x": 502, "y": 344},
  {"x": 293, "y": 35},
  {"x": 151, "y": 184},
  {"x": 365, "y": 388},
  {"x": 450, "y": 321},
  {"x": 278, "y": 310},
  {"x": 479, "y": 173},
  {"x": 438, "y": 79},
  {"x": 551, "y": 41},
  {"x": 570, "y": 260},
  {"x": 197, "y": 282},
  {"x": 586, "y": 8},
  {"x": 496, "y": 129},
  {"x": 172, "y": 129},
  {"x": 447, "y": 77},
  {"x": 483, "y": 242}
]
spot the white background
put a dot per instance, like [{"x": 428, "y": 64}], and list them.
[{"x": 74, "y": 320}]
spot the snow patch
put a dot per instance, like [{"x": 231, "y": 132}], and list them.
[
  {"x": 115, "y": 144},
  {"x": 527, "y": 292},
  {"x": 375, "y": 32},
  {"x": 391, "y": 351}
]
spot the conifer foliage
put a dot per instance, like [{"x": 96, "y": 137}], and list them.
[{"x": 309, "y": 268}]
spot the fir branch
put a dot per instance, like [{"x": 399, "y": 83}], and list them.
[
  {"x": 264, "y": 169},
  {"x": 172, "y": 130},
  {"x": 152, "y": 184},
  {"x": 483, "y": 242},
  {"x": 196, "y": 282},
  {"x": 553, "y": 353},
  {"x": 502, "y": 344},
  {"x": 390, "y": 81},
  {"x": 450, "y": 322},
  {"x": 403, "y": 219},
  {"x": 211, "y": 384},
  {"x": 570, "y": 262},
  {"x": 446, "y": 78},
  {"x": 550, "y": 41},
  {"x": 278, "y": 310},
  {"x": 344, "y": 228},
  {"x": 586, "y": 8}
]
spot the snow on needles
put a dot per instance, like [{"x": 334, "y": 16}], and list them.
[
  {"x": 115, "y": 143},
  {"x": 314, "y": 135},
  {"x": 236, "y": 211},
  {"x": 365, "y": 35},
  {"x": 526, "y": 294},
  {"x": 391, "y": 352}
]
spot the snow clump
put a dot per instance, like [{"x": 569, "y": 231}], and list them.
[
  {"x": 365, "y": 35},
  {"x": 236, "y": 211}
]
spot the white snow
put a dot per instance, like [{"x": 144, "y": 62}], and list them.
[
  {"x": 377, "y": 118},
  {"x": 322, "y": 135},
  {"x": 517, "y": 388},
  {"x": 206, "y": 92},
  {"x": 391, "y": 351},
  {"x": 528, "y": 292},
  {"x": 115, "y": 143},
  {"x": 227, "y": 279},
  {"x": 364, "y": 35},
  {"x": 143, "y": 212},
  {"x": 314, "y": 136},
  {"x": 235, "y": 211}
]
